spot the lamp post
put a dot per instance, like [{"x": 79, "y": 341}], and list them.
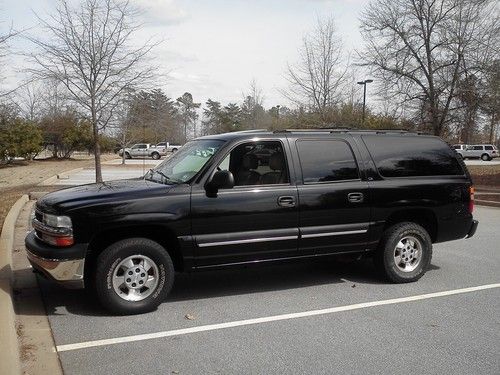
[{"x": 364, "y": 83}]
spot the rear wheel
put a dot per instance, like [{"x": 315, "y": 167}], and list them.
[
  {"x": 485, "y": 157},
  {"x": 404, "y": 252},
  {"x": 133, "y": 276},
  {"x": 174, "y": 150}
]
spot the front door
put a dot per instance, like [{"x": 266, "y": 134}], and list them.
[
  {"x": 334, "y": 200},
  {"x": 257, "y": 220}
]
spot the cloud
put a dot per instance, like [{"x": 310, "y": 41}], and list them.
[{"x": 167, "y": 12}]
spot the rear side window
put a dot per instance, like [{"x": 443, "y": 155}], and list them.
[
  {"x": 477, "y": 148},
  {"x": 488, "y": 147},
  {"x": 404, "y": 156},
  {"x": 326, "y": 161}
]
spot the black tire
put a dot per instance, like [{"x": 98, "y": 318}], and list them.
[
  {"x": 485, "y": 157},
  {"x": 127, "y": 156},
  {"x": 385, "y": 255},
  {"x": 155, "y": 155},
  {"x": 174, "y": 150},
  {"x": 109, "y": 260}
]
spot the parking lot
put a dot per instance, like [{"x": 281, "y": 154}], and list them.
[{"x": 324, "y": 317}]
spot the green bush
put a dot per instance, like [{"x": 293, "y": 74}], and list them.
[{"x": 20, "y": 138}]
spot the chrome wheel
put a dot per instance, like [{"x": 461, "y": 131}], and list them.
[
  {"x": 408, "y": 253},
  {"x": 135, "y": 278}
]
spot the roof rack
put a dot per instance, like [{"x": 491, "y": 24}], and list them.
[
  {"x": 334, "y": 130},
  {"x": 319, "y": 130},
  {"x": 251, "y": 131}
]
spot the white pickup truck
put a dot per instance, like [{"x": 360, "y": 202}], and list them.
[
  {"x": 144, "y": 150},
  {"x": 162, "y": 148}
]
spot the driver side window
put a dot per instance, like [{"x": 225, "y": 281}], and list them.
[{"x": 257, "y": 163}]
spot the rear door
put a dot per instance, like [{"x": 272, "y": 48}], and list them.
[{"x": 334, "y": 201}]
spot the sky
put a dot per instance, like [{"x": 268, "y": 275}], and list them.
[{"x": 212, "y": 48}]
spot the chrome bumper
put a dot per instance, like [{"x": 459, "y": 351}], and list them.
[{"x": 68, "y": 273}]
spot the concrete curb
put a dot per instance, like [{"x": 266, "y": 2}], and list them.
[
  {"x": 10, "y": 362},
  {"x": 60, "y": 176}
]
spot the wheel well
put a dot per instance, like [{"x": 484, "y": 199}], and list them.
[
  {"x": 425, "y": 218},
  {"x": 161, "y": 235}
]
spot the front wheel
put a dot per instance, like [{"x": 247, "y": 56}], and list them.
[
  {"x": 133, "y": 276},
  {"x": 404, "y": 252},
  {"x": 128, "y": 156},
  {"x": 155, "y": 155}
]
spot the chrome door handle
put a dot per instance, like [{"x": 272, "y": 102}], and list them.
[
  {"x": 355, "y": 197},
  {"x": 286, "y": 201}
]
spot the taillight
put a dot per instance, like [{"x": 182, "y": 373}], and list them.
[{"x": 471, "y": 200}]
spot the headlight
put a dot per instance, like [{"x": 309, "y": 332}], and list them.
[
  {"x": 57, "y": 221},
  {"x": 53, "y": 229}
]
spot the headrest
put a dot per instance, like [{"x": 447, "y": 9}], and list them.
[
  {"x": 250, "y": 161},
  {"x": 276, "y": 162}
]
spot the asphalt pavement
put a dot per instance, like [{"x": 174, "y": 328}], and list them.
[{"x": 347, "y": 320}]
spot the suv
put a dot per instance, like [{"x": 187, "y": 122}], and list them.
[
  {"x": 256, "y": 197},
  {"x": 485, "y": 152}
]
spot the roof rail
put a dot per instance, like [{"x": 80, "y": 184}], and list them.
[
  {"x": 333, "y": 130},
  {"x": 251, "y": 131},
  {"x": 325, "y": 130}
]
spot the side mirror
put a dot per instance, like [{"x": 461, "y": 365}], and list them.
[{"x": 220, "y": 180}]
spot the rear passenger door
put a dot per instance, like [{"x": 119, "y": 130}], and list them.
[{"x": 334, "y": 202}]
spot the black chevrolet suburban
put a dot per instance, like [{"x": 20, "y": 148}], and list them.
[{"x": 256, "y": 197}]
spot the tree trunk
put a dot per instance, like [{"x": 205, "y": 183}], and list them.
[
  {"x": 123, "y": 149},
  {"x": 97, "y": 152},
  {"x": 492, "y": 129}
]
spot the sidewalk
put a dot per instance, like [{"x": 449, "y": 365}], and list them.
[{"x": 111, "y": 170}]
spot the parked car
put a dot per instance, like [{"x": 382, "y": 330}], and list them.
[
  {"x": 460, "y": 148},
  {"x": 143, "y": 150},
  {"x": 139, "y": 150},
  {"x": 169, "y": 147},
  {"x": 162, "y": 148},
  {"x": 388, "y": 195},
  {"x": 484, "y": 151}
]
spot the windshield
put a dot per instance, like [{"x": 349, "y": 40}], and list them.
[{"x": 185, "y": 163}]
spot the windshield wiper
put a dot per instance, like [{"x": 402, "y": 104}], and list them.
[{"x": 167, "y": 178}]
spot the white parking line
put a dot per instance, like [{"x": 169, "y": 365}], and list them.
[{"x": 274, "y": 318}]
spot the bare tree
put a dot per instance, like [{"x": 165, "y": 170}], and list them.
[
  {"x": 88, "y": 48},
  {"x": 253, "y": 114},
  {"x": 29, "y": 98},
  {"x": 420, "y": 50},
  {"x": 4, "y": 52},
  {"x": 317, "y": 79}
]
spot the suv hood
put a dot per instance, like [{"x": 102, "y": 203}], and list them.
[{"x": 101, "y": 193}]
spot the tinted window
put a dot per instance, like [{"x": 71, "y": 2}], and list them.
[
  {"x": 404, "y": 156},
  {"x": 477, "y": 147},
  {"x": 488, "y": 147},
  {"x": 326, "y": 160}
]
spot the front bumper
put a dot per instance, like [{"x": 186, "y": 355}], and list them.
[
  {"x": 67, "y": 272},
  {"x": 472, "y": 229}
]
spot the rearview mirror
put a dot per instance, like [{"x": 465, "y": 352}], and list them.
[{"x": 220, "y": 180}]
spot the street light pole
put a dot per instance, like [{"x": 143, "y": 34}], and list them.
[{"x": 364, "y": 83}]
